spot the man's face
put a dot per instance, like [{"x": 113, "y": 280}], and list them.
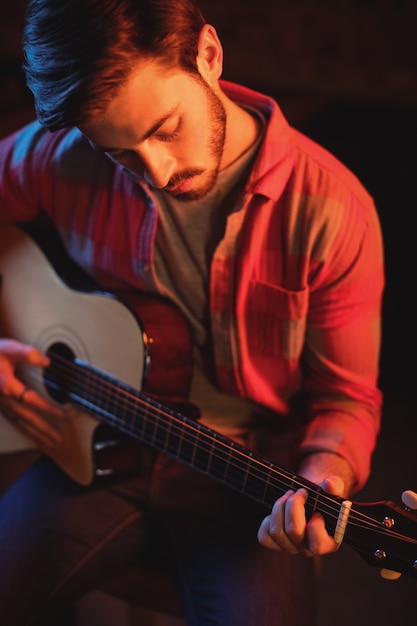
[{"x": 167, "y": 127}]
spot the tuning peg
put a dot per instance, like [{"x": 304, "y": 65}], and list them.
[
  {"x": 389, "y": 574},
  {"x": 409, "y": 499}
]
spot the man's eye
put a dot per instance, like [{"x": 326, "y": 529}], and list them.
[
  {"x": 169, "y": 136},
  {"x": 117, "y": 156}
]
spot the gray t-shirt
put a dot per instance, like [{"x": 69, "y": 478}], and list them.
[{"x": 186, "y": 238}]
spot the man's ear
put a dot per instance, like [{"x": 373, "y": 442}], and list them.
[{"x": 210, "y": 54}]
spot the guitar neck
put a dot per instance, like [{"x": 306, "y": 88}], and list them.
[
  {"x": 143, "y": 418},
  {"x": 371, "y": 529}
]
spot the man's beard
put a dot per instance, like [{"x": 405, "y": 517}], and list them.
[{"x": 217, "y": 121}]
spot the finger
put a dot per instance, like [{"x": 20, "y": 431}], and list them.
[
  {"x": 319, "y": 541},
  {"x": 265, "y": 538},
  {"x": 32, "y": 426},
  {"x": 37, "y": 426},
  {"x": 42, "y": 439},
  {"x": 18, "y": 395},
  {"x": 333, "y": 485},
  {"x": 30, "y": 398},
  {"x": 35, "y": 416},
  {"x": 40, "y": 416},
  {"x": 19, "y": 352},
  {"x": 276, "y": 525},
  {"x": 295, "y": 517}
]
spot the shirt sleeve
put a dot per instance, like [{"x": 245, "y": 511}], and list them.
[
  {"x": 343, "y": 334},
  {"x": 21, "y": 158}
]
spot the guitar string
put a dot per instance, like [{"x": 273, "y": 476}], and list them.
[
  {"x": 175, "y": 425},
  {"x": 356, "y": 519},
  {"x": 131, "y": 398},
  {"x": 170, "y": 417}
]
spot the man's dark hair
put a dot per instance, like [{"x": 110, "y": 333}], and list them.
[{"x": 79, "y": 52}]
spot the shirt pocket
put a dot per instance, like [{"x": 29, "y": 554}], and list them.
[{"x": 276, "y": 320}]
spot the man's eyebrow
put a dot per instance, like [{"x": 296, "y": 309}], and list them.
[{"x": 154, "y": 128}]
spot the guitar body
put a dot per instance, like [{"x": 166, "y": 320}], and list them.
[{"x": 141, "y": 341}]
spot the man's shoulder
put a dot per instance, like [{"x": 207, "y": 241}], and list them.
[
  {"x": 34, "y": 138},
  {"x": 325, "y": 173}
]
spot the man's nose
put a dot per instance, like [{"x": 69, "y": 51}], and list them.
[{"x": 158, "y": 167}]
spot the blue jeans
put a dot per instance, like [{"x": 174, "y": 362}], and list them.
[{"x": 59, "y": 540}]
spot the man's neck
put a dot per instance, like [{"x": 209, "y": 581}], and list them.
[{"x": 242, "y": 131}]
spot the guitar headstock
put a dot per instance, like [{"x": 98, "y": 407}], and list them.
[{"x": 385, "y": 534}]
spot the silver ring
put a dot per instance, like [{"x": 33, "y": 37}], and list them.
[{"x": 21, "y": 398}]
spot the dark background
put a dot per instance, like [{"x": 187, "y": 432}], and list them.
[{"x": 345, "y": 73}]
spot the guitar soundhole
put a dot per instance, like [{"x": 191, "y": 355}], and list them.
[{"x": 56, "y": 374}]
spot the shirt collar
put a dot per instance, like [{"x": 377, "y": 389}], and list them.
[{"x": 275, "y": 159}]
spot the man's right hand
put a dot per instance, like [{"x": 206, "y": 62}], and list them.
[{"x": 28, "y": 411}]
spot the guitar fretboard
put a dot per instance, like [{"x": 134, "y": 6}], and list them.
[{"x": 143, "y": 418}]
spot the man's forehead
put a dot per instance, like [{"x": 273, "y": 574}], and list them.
[
  {"x": 146, "y": 100},
  {"x": 96, "y": 133}
]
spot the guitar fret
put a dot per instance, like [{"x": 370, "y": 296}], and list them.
[
  {"x": 203, "y": 455},
  {"x": 173, "y": 444},
  {"x": 216, "y": 465},
  {"x": 205, "y": 452},
  {"x": 186, "y": 449},
  {"x": 148, "y": 431},
  {"x": 254, "y": 487},
  {"x": 185, "y": 440}
]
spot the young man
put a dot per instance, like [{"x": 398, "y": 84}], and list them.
[{"x": 162, "y": 178}]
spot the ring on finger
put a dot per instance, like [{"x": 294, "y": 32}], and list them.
[{"x": 21, "y": 397}]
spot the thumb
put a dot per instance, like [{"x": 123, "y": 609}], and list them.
[{"x": 333, "y": 485}]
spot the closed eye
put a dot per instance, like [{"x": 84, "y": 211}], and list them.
[
  {"x": 161, "y": 136},
  {"x": 117, "y": 155}
]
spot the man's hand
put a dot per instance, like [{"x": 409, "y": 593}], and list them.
[
  {"x": 286, "y": 528},
  {"x": 23, "y": 406}
]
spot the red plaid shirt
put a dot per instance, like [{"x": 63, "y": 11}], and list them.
[{"x": 296, "y": 283}]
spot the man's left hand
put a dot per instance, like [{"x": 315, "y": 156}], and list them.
[{"x": 286, "y": 528}]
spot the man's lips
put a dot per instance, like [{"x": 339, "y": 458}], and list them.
[{"x": 181, "y": 187}]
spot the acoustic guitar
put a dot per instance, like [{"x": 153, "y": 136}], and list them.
[{"x": 111, "y": 356}]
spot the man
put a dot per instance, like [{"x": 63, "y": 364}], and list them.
[{"x": 162, "y": 178}]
